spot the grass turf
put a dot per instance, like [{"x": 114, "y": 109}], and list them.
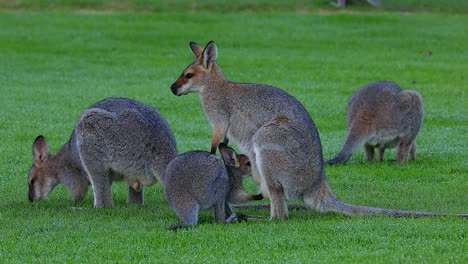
[{"x": 54, "y": 65}]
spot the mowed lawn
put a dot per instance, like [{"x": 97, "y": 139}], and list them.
[{"x": 53, "y": 65}]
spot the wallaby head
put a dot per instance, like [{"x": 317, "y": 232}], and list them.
[
  {"x": 194, "y": 78},
  {"x": 43, "y": 174},
  {"x": 233, "y": 161}
]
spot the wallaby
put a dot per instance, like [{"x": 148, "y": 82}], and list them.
[
  {"x": 274, "y": 130},
  {"x": 116, "y": 139},
  {"x": 382, "y": 116},
  {"x": 199, "y": 180}
]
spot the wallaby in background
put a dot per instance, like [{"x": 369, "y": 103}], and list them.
[
  {"x": 114, "y": 140},
  {"x": 198, "y": 180},
  {"x": 382, "y": 116},
  {"x": 274, "y": 130}
]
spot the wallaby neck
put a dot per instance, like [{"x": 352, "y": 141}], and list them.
[{"x": 69, "y": 166}]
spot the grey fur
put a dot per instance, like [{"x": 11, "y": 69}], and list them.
[
  {"x": 382, "y": 116},
  {"x": 274, "y": 130},
  {"x": 198, "y": 180},
  {"x": 116, "y": 139}
]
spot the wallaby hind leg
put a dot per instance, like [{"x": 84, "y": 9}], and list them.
[
  {"x": 413, "y": 151},
  {"x": 403, "y": 151},
  {"x": 100, "y": 181},
  {"x": 219, "y": 212},
  {"x": 370, "y": 152},
  {"x": 381, "y": 153},
  {"x": 102, "y": 190},
  {"x": 279, "y": 207},
  {"x": 134, "y": 196}
]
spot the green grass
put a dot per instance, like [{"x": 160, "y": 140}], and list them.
[{"x": 53, "y": 65}]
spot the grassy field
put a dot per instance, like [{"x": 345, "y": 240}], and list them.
[{"x": 53, "y": 65}]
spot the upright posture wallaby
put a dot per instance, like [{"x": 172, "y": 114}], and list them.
[
  {"x": 199, "y": 180},
  {"x": 382, "y": 116},
  {"x": 273, "y": 129},
  {"x": 115, "y": 139}
]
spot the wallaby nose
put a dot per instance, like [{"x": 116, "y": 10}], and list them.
[{"x": 174, "y": 89}]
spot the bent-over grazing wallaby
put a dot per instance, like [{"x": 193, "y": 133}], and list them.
[
  {"x": 114, "y": 140},
  {"x": 199, "y": 180},
  {"x": 382, "y": 116},
  {"x": 273, "y": 129}
]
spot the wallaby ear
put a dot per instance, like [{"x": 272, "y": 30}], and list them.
[
  {"x": 210, "y": 54},
  {"x": 196, "y": 49},
  {"x": 228, "y": 155},
  {"x": 40, "y": 150}
]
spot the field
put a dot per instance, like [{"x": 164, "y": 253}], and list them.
[{"x": 57, "y": 58}]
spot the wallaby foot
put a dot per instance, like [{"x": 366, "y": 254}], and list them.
[
  {"x": 370, "y": 153},
  {"x": 135, "y": 197},
  {"x": 178, "y": 226},
  {"x": 235, "y": 218}
]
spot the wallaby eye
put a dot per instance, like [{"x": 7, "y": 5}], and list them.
[
  {"x": 188, "y": 75},
  {"x": 32, "y": 182},
  {"x": 247, "y": 164}
]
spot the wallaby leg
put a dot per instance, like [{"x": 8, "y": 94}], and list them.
[
  {"x": 413, "y": 151},
  {"x": 370, "y": 152},
  {"x": 381, "y": 153},
  {"x": 219, "y": 212},
  {"x": 403, "y": 151},
  {"x": 102, "y": 191},
  {"x": 188, "y": 214},
  {"x": 135, "y": 197},
  {"x": 279, "y": 207},
  {"x": 101, "y": 183}
]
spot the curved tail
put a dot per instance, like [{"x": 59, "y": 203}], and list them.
[{"x": 352, "y": 144}]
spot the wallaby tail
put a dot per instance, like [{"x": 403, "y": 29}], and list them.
[
  {"x": 352, "y": 144},
  {"x": 322, "y": 198},
  {"x": 349, "y": 209}
]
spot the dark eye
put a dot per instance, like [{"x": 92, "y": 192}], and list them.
[
  {"x": 32, "y": 182},
  {"x": 247, "y": 164},
  {"x": 188, "y": 75}
]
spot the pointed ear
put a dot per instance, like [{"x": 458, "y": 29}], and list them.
[
  {"x": 210, "y": 54},
  {"x": 196, "y": 49},
  {"x": 40, "y": 151},
  {"x": 229, "y": 156}
]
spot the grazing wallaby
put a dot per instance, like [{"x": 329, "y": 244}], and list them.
[
  {"x": 199, "y": 180},
  {"x": 274, "y": 130},
  {"x": 382, "y": 116},
  {"x": 114, "y": 140}
]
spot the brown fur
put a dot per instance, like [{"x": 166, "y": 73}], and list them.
[{"x": 279, "y": 138}]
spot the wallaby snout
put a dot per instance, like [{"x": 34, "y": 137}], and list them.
[{"x": 174, "y": 89}]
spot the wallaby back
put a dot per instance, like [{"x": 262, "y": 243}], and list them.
[
  {"x": 270, "y": 126},
  {"x": 198, "y": 180},
  {"x": 382, "y": 116},
  {"x": 116, "y": 139}
]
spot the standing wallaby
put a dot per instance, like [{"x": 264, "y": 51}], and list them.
[
  {"x": 382, "y": 116},
  {"x": 114, "y": 140},
  {"x": 274, "y": 130},
  {"x": 199, "y": 180}
]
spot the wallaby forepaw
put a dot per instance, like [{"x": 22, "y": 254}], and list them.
[{"x": 258, "y": 196}]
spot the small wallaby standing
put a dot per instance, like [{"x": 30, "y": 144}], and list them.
[
  {"x": 274, "y": 130},
  {"x": 382, "y": 116},
  {"x": 116, "y": 139},
  {"x": 198, "y": 180}
]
